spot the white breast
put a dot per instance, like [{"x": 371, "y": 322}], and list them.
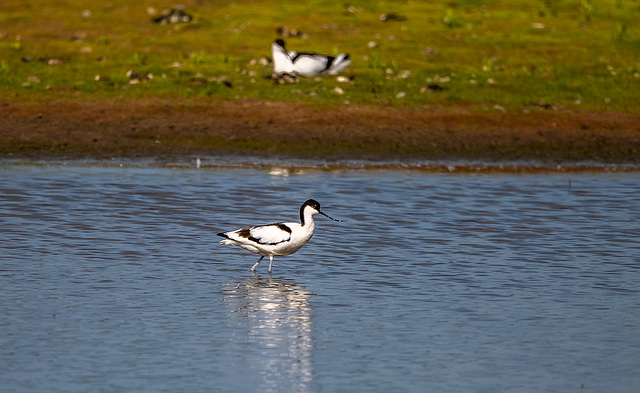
[
  {"x": 282, "y": 63},
  {"x": 299, "y": 237}
]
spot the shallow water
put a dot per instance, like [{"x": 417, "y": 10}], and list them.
[{"x": 112, "y": 279}]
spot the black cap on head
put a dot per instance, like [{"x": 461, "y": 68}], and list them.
[{"x": 313, "y": 203}]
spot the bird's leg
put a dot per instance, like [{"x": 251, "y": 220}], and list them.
[
  {"x": 270, "y": 262},
  {"x": 253, "y": 269}
]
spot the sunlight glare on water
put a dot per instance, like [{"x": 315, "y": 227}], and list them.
[{"x": 112, "y": 279}]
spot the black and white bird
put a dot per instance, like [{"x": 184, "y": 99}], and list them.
[
  {"x": 276, "y": 239},
  {"x": 306, "y": 64}
]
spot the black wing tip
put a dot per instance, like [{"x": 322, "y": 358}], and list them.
[{"x": 222, "y": 234}]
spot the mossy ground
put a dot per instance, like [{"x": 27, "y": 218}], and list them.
[{"x": 571, "y": 53}]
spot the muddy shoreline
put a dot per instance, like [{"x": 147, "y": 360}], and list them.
[{"x": 172, "y": 128}]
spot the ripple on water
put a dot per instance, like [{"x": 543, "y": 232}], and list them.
[{"x": 112, "y": 278}]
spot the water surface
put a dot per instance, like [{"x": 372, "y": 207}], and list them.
[{"x": 111, "y": 279}]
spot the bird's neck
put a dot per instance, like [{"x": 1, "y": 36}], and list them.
[
  {"x": 306, "y": 218},
  {"x": 281, "y": 60}
]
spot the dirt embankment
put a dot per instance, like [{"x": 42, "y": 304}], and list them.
[{"x": 153, "y": 128}]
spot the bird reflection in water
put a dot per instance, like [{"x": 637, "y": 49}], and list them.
[{"x": 273, "y": 330}]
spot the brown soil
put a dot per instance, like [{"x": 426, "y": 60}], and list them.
[{"x": 169, "y": 128}]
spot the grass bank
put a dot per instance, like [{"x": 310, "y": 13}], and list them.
[{"x": 484, "y": 58}]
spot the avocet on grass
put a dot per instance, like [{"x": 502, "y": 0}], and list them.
[
  {"x": 306, "y": 64},
  {"x": 276, "y": 239}
]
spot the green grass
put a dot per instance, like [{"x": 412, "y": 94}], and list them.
[{"x": 581, "y": 54}]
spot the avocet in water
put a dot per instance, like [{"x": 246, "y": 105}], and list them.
[
  {"x": 306, "y": 64},
  {"x": 276, "y": 239}
]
